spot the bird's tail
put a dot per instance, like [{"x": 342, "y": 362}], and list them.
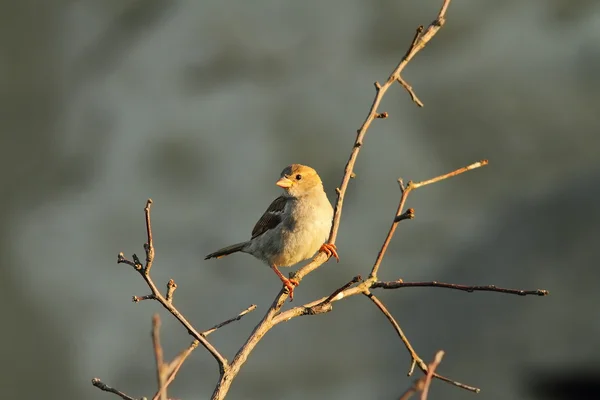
[{"x": 225, "y": 251}]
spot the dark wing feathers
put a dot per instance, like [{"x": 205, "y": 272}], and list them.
[{"x": 271, "y": 218}]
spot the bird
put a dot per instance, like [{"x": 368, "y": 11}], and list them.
[{"x": 293, "y": 228}]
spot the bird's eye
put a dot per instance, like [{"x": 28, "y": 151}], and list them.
[{"x": 298, "y": 177}]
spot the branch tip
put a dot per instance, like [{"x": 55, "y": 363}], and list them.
[
  {"x": 171, "y": 287},
  {"x": 105, "y": 388},
  {"x": 137, "y": 299},
  {"x": 408, "y": 214}
]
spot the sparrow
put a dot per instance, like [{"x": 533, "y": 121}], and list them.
[{"x": 294, "y": 227}]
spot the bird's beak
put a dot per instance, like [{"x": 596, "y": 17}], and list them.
[{"x": 284, "y": 182}]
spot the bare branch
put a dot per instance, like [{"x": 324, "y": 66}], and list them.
[
  {"x": 104, "y": 387},
  {"x": 149, "y": 245},
  {"x": 325, "y": 305},
  {"x": 236, "y": 318},
  {"x": 157, "y": 295},
  {"x": 478, "y": 164},
  {"x": 413, "y": 354},
  {"x": 137, "y": 299},
  {"x": 405, "y": 190},
  {"x": 174, "y": 366},
  {"x": 159, "y": 357},
  {"x": 422, "y": 384},
  {"x": 464, "y": 288},
  {"x": 166, "y": 372},
  {"x": 430, "y": 371},
  {"x": 419, "y": 41}
]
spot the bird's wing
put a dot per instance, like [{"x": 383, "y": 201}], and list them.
[{"x": 271, "y": 218}]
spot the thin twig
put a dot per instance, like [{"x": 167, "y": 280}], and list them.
[
  {"x": 230, "y": 320},
  {"x": 104, "y": 387},
  {"x": 404, "y": 84},
  {"x": 430, "y": 371},
  {"x": 422, "y": 384},
  {"x": 405, "y": 190},
  {"x": 159, "y": 357},
  {"x": 337, "y": 292},
  {"x": 478, "y": 164},
  {"x": 157, "y": 295},
  {"x": 175, "y": 365},
  {"x": 149, "y": 245},
  {"x": 464, "y": 288},
  {"x": 325, "y": 305},
  {"x": 413, "y": 354},
  {"x": 137, "y": 299},
  {"x": 420, "y": 40}
]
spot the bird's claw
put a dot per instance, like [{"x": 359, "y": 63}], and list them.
[
  {"x": 290, "y": 284},
  {"x": 330, "y": 250}
]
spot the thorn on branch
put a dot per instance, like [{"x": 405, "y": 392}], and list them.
[
  {"x": 408, "y": 214},
  {"x": 377, "y": 86}
]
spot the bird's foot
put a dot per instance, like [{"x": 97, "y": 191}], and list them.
[
  {"x": 290, "y": 284},
  {"x": 330, "y": 250}
]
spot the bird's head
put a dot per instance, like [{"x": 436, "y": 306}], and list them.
[{"x": 298, "y": 180}]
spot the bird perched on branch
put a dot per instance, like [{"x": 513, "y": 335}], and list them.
[{"x": 293, "y": 228}]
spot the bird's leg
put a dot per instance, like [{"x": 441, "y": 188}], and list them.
[
  {"x": 330, "y": 250},
  {"x": 290, "y": 284}
]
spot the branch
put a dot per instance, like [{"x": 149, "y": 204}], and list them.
[
  {"x": 236, "y": 318},
  {"x": 267, "y": 322},
  {"x": 104, "y": 387},
  {"x": 413, "y": 354},
  {"x": 173, "y": 368},
  {"x": 144, "y": 271},
  {"x": 410, "y": 213},
  {"x": 422, "y": 384},
  {"x": 159, "y": 357},
  {"x": 419, "y": 41},
  {"x": 273, "y": 316},
  {"x": 464, "y": 288},
  {"x": 430, "y": 371}
]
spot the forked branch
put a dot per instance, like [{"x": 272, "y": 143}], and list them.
[{"x": 228, "y": 370}]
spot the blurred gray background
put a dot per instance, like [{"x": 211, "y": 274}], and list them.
[{"x": 200, "y": 105}]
